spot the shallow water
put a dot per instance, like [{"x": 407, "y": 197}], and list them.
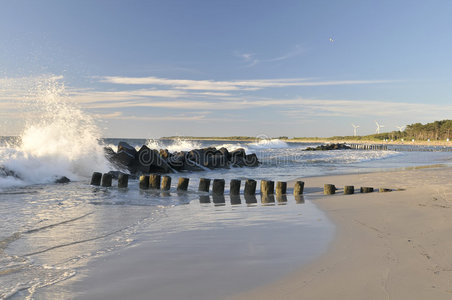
[{"x": 51, "y": 235}]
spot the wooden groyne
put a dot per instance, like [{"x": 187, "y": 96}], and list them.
[
  {"x": 268, "y": 192},
  {"x": 400, "y": 148}
]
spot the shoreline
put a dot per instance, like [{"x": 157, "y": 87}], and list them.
[
  {"x": 387, "y": 245},
  {"x": 321, "y": 140}
]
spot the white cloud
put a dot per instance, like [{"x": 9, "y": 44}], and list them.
[{"x": 242, "y": 85}]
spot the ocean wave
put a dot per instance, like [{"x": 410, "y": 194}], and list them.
[
  {"x": 175, "y": 145},
  {"x": 268, "y": 144},
  {"x": 62, "y": 141}
]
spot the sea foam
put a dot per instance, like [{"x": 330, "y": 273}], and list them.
[{"x": 59, "y": 139}]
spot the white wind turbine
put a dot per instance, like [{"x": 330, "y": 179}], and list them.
[
  {"x": 400, "y": 128},
  {"x": 354, "y": 129},
  {"x": 378, "y": 127}
]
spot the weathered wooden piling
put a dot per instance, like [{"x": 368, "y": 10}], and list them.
[
  {"x": 366, "y": 189},
  {"x": 267, "y": 187},
  {"x": 218, "y": 187},
  {"x": 182, "y": 185},
  {"x": 154, "y": 181},
  {"x": 204, "y": 185},
  {"x": 234, "y": 187},
  {"x": 235, "y": 199},
  {"x": 106, "y": 180},
  {"x": 384, "y": 190},
  {"x": 123, "y": 180},
  {"x": 96, "y": 178},
  {"x": 267, "y": 198},
  {"x": 299, "y": 199},
  {"x": 204, "y": 199},
  {"x": 298, "y": 188},
  {"x": 349, "y": 189},
  {"x": 282, "y": 198},
  {"x": 329, "y": 189},
  {"x": 166, "y": 183},
  {"x": 250, "y": 199},
  {"x": 144, "y": 182},
  {"x": 250, "y": 187},
  {"x": 218, "y": 199},
  {"x": 281, "y": 188}
]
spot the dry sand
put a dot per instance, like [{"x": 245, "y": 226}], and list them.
[{"x": 395, "y": 245}]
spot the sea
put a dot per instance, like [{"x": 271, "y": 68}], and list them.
[{"x": 52, "y": 235}]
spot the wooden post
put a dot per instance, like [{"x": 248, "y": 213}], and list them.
[
  {"x": 365, "y": 189},
  {"x": 235, "y": 199},
  {"x": 281, "y": 188},
  {"x": 166, "y": 183},
  {"x": 281, "y": 198},
  {"x": 106, "y": 180},
  {"x": 267, "y": 198},
  {"x": 144, "y": 182},
  {"x": 267, "y": 187},
  {"x": 329, "y": 189},
  {"x": 349, "y": 189},
  {"x": 234, "y": 187},
  {"x": 218, "y": 199},
  {"x": 154, "y": 181},
  {"x": 299, "y": 199},
  {"x": 204, "y": 199},
  {"x": 250, "y": 187},
  {"x": 182, "y": 185},
  {"x": 96, "y": 178},
  {"x": 204, "y": 185},
  {"x": 123, "y": 180},
  {"x": 298, "y": 188},
  {"x": 250, "y": 199},
  {"x": 218, "y": 187}
]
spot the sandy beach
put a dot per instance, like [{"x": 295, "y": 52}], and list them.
[{"x": 392, "y": 245}]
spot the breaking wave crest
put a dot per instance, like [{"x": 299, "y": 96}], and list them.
[{"x": 59, "y": 139}]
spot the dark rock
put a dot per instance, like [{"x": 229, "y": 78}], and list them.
[
  {"x": 164, "y": 153},
  {"x": 238, "y": 157},
  {"x": 109, "y": 153},
  {"x": 146, "y": 161},
  {"x": 62, "y": 179},
  {"x": 238, "y": 162},
  {"x": 177, "y": 160},
  {"x": 123, "y": 146},
  {"x": 224, "y": 152},
  {"x": 149, "y": 161},
  {"x": 123, "y": 159},
  {"x": 5, "y": 172},
  {"x": 216, "y": 161},
  {"x": 251, "y": 160},
  {"x": 201, "y": 156},
  {"x": 328, "y": 147}
]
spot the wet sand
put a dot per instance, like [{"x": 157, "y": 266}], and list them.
[
  {"x": 394, "y": 245},
  {"x": 204, "y": 251}
]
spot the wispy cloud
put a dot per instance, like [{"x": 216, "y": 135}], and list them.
[
  {"x": 233, "y": 85},
  {"x": 298, "y": 50},
  {"x": 175, "y": 117},
  {"x": 251, "y": 59}
]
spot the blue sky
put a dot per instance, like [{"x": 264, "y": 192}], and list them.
[{"x": 294, "y": 68}]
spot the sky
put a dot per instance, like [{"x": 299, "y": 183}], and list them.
[{"x": 148, "y": 69}]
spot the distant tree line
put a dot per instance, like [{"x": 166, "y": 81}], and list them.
[{"x": 438, "y": 130}]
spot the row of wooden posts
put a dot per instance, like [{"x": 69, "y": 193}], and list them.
[
  {"x": 330, "y": 189},
  {"x": 156, "y": 181},
  {"x": 404, "y": 148},
  {"x": 368, "y": 147}
]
